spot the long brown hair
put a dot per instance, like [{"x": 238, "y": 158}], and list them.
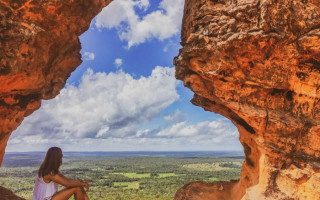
[{"x": 51, "y": 162}]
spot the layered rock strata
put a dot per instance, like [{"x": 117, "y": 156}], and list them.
[{"x": 257, "y": 62}]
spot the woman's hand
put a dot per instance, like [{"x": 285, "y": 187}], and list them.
[{"x": 86, "y": 185}]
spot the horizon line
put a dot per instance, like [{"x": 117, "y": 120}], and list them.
[{"x": 129, "y": 151}]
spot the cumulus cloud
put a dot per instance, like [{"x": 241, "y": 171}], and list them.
[
  {"x": 207, "y": 135},
  {"x": 177, "y": 116},
  {"x": 161, "y": 24},
  {"x": 218, "y": 130},
  {"x": 88, "y": 56},
  {"x": 107, "y": 111},
  {"x": 103, "y": 106},
  {"x": 118, "y": 62},
  {"x": 218, "y": 134}
]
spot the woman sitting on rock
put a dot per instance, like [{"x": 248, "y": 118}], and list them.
[{"x": 49, "y": 176}]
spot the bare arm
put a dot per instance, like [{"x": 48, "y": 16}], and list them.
[{"x": 62, "y": 180}]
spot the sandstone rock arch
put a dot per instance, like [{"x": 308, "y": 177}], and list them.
[{"x": 257, "y": 62}]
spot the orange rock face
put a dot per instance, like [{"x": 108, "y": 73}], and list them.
[{"x": 257, "y": 62}]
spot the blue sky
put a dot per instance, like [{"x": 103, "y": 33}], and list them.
[{"x": 124, "y": 96}]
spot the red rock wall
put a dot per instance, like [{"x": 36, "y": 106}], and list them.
[{"x": 257, "y": 62}]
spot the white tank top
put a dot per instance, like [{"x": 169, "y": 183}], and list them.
[{"x": 43, "y": 190}]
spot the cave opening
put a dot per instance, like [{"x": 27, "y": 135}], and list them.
[
  {"x": 124, "y": 98},
  {"x": 256, "y": 63}
]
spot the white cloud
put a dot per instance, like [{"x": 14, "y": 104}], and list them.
[
  {"x": 177, "y": 116},
  {"x": 88, "y": 56},
  {"x": 143, "y": 4},
  {"x": 161, "y": 24},
  {"x": 118, "y": 62},
  {"x": 106, "y": 112},
  {"x": 218, "y": 130},
  {"x": 207, "y": 135},
  {"x": 219, "y": 134},
  {"x": 102, "y": 106}
]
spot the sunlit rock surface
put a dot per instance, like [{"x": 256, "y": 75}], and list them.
[{"x": 257, "y": 62}]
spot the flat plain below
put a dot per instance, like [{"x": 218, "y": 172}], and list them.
[{"x": 125, "y": 175}]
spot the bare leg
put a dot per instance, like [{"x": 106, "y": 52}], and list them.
[
  {"x": 66, "y": 193},
  {"x": 84, "y": 194}
]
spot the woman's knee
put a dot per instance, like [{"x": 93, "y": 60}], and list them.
[
  {"x": 67, "y": 193},
  {"x": 78, "y": 189},
  {"x": 78, "y": 194}
]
